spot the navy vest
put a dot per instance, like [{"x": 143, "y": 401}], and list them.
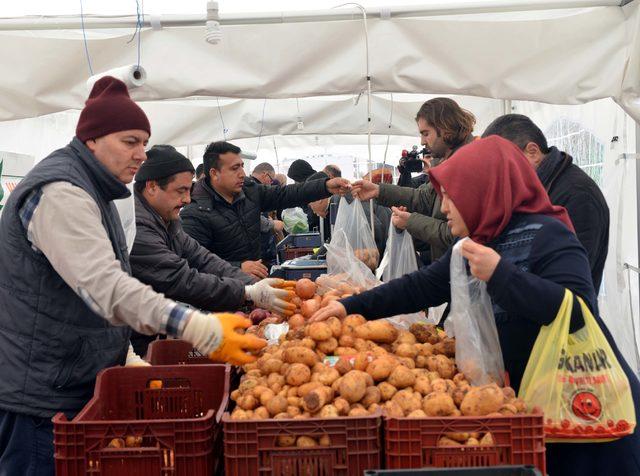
[{"x": 52, "y": 344}]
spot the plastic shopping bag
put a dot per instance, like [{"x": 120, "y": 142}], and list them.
[
  {"x": 400, "y": 259},
  {"x": 295, "y": 220},
  {"x": 471, "y": 321},
  {"x": 352, "y": 220},
  {"x": 578, "y": 382},
  {"x": 345, "y": 273}
]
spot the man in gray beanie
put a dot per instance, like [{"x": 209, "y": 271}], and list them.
[{"x": 175, "y": 264}]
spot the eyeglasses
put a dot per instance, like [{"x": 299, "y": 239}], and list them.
[{"x": 271, "y": 179}]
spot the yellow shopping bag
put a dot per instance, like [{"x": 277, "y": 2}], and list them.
[{"x": 578, "y": 382}]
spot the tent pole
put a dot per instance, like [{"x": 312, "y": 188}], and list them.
[{"x": 72, "y": 22}]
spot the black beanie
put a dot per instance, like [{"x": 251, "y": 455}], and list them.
[
  {"x": 163, "y": 161},
  {"x": 300, "y": 170}
]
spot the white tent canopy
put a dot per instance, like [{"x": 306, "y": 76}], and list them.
[{"x": 565, "y": 63}]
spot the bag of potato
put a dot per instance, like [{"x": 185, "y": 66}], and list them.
[
  {"x": 345, "y": 273},
  {"x": 578, "y": 382},
  {"x": 400, "y": 259},
  {"x": 352, "y": 220},
  {"x": 471, "y": 322}
]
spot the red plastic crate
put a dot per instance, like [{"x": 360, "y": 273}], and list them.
[
  {"x": 179, "y": 423},
  {"x": 250, "y": 447},
  {"x": 412, "y": 443},
  {"x": 174, "y": 352}
]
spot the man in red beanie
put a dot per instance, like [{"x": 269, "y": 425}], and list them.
[{"x": 67, "y": 297}]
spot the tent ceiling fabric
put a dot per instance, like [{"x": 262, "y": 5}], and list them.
[{"x": 584, "y": 55}]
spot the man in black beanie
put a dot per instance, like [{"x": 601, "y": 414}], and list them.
[
  {"x": 175, "y": 264},
  {"x": 300, "y": 170}
]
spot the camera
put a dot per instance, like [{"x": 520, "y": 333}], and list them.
[{"x": 410, "y": 160}]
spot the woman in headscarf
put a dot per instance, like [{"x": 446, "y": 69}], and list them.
[{"x": 526, "y": 251}]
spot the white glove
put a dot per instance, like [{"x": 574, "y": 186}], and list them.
[
  {"x": 264, "y": 295},
  {"x": 204, "y": 331},
  {"x": 134, "y": 360}
]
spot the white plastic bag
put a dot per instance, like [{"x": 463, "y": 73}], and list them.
[
  {"x": 400, "y": 259},
  {"x": 345, "y": 272},
  {"x": 471, "y": 321},
  {"x": 295, "y": 220},
  {"x": 352, "y": 220}
]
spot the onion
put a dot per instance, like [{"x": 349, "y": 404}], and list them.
[
  {"x": 258, "y": 315},
  {"x": 296, "y": 321},
  {"x": 310, "y": 307},
  {"x": 305, "y": 288}
]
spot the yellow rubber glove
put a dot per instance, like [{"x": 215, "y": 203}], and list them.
[
  {"x": 234, "y": 346},
  {"x": 215, "y": 335}
]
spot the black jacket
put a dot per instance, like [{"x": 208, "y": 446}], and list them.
[
  {"x": 405, "y": 180},
  {"x": 569, "y": 186},
  {"x": 232, "y": 230}
]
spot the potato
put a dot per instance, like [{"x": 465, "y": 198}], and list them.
[
  {"x": 421, "y": 362},
  {"x": 487, "y": 440},
  {"x": 261, "y": 413},
  {"x": 423, "y": 386},
  {"x": 298, "y": 374},
  {"x": 309, "y": 308},
  {"x": 341, "y": 405},
  {"x": 131, "y": 441},
  {"x": 327, "y": 346},
  {"x": 458, "y": 396},
  {"x": 374, "y": 407},
  {"x": 444, "y": 442},
  {"x": 305, "y": 288},
  {"x": 294, "y": 401},
  {"x": 405, "y": 337},
  {"x": 247, "y": 385},
  {"x": 319, "y": 331},
  {"x": 235, "y": 395},
  {"x": 408, "y": 400},
  {"x": 254, "y": 373},
  {"x": 417, "y": 414},
  {"x": 352, "y": 386},
  {"x": 371, "y": 395},
  {"x": 425, "y": 350},
  {"x": 297, "y": 321},
  {"x": 439, "y": 385},
  {"x": 335, "y": 386},
  {"x": 305, "y": 442},
  {"x": 317, "y": 398},
  {"x": 343, "y": 366},
  {"x": 307, "y": 387},
  {"x": 508, "y": 409},
  {"x": 358, "y": 412},
  {"x": 346, "y": 340},
  {"x": 293, "y": 411},
  {"x": 361, "y": 361},
  {"x": 407, "y": 350},
  {"x": 265, "y": 396},
  {"x": 277, "y": 405},
  {"x": 401, "y": 377},
  {"x": 438, "y": 404},
  {"x": 392, "y": 410},
  {"x": 282, "y": 416},
  {"x": 460, "y": 379},
  {"x": 300, "y": 355},
  {"x": 407, "y": 362},
  {"x": 446, "y": 347},
  {"x": 247, "y": 402},
  {"x": 483, "y": 400},
  {"x": 387, "y": 391},
  {"x": 328, "y": 411},
  {"x": 459, "y": 437},
  {"x": 239, "y": 414},
  {"x": 445, "y": 367},
  {"x": 324, "y": 440},
  {"x": 508, "y": 392},
  {"x": 381, "y": 368},
  {"x": 520, "y": 405},
  {"x": 116, "y": 443},
  {"x": 309, "y": 343},
  {"x": 286, "y": 440},
  {"x": 335, "y": 325},
  {"x": 351, "y": 322},
  {"x": 377, "y": 331},
  {"x": 472, "y": 442}
]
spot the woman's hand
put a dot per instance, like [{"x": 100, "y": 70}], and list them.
[
  {"x": 334, "y": 308},
  {"x": 482, "y": 259}
]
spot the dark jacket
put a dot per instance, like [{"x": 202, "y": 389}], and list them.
[
  {"x": 173, "y": 263},
  {"x": 52, "y": 343},
  {"x": 427, "y": 224},
  {"x": 569, "y": 186},
  {"x": 406, "y": 180},
  {"x": 540, "y": 258},
  {"x": 232, "y": 230}
]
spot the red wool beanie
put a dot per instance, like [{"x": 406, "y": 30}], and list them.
[{"x": 109, "y": 109}]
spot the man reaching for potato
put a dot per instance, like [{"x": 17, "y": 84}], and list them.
[{"x": 175, "y": 264}]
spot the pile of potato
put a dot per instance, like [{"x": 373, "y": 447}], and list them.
[
  {"x": 369, "y": 256},
  {"x": 356, "y": 368},
  {"x": 467, "y": 439}
]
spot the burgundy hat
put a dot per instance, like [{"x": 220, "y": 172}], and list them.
[{"x": 109, "y": 109}]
